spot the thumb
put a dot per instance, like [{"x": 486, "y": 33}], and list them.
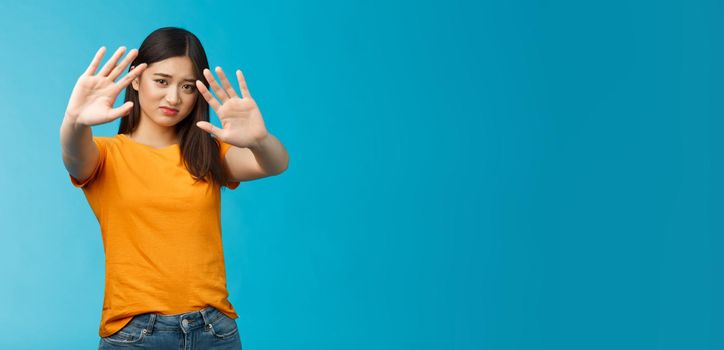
[
  {"x": 121, "y": 111},
  {"x": 208, "y": 127}
]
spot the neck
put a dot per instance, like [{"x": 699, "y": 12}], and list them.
[{"x": 154, "y": 135}]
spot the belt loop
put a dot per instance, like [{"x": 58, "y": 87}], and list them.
[
  {"x": 151, "y": 320},
  {"x": 205, "y": 315}
]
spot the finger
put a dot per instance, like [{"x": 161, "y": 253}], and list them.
[
  {"x": 112, "y": 61},
  {"x": 121, "y": 84},
  {"x": 242, "y": 84},
  {"x": 208, "y": 96},
  {"x": 95, "y": 62},
  {"x": 225, "y": 82},
  {"x": 220, "y": 93},
  {"x": 210, "y": 128},
  {"x": 120, "y": 111},
  {"x": 116, "y": 72}
]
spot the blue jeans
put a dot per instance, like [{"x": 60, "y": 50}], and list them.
[{"x": 207, "y": 328}]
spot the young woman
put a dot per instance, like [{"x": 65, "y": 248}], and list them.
[{"x": 155, "y": 187}]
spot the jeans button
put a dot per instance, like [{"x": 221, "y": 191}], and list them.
[{"x": 185, "y": 322}]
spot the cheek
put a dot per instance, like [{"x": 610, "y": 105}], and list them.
[
  {"x": 189, "y": 100},
  {"x": 150, "y": 93}
]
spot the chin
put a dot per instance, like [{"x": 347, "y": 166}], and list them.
[{"x": 167, "y": 121}]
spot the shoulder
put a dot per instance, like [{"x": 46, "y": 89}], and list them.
[
  {"x": 223, "y": 146},
  {"x": 109, "y": 140},
  {"x": 108, "y": 144}
]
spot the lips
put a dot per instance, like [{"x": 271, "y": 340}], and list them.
[{"x": 168, "y": 111}]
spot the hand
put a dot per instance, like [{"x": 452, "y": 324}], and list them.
[
  {"x": 241, "y": 121},
  {"x": 91, "y": 102}
]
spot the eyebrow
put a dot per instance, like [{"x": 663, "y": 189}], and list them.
[{"x": 169, "y": 76}]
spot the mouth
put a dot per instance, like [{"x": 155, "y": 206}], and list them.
[{"x": 169, "y": 111}]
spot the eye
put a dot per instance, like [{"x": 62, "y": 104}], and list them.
[
  {"x": 159, "y": 80},
  {"x": 190, "y": 87}
]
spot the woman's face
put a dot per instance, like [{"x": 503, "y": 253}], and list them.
[{"x": 169, "y": 83}]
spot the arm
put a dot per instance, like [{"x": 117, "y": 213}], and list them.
[
  {"x": 91, "y": 103},
  {"x": 255, "y": 152},
  {"x": 80, "y": 153},
  {"x": 268, "y": 157}
]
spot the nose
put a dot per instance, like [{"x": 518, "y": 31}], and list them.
[{"x": 172, "y": 97}]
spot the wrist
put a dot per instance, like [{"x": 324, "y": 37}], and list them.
[
  {"x": 71, "y": 119},
  {"x": 259, "y": 142}
]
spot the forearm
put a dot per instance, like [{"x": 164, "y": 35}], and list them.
[
  {"x": 77, "y": 146},
  {"x": 271, "y": 155}
]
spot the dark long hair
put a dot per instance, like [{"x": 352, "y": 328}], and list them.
[{"x": 199, "y": 151}]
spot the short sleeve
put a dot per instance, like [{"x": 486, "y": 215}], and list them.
[
  {"x": 224, "y": 147},
  {"x": 101, "y": 145}
]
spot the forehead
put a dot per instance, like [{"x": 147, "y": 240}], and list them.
[{"x": 179, "y": 67}]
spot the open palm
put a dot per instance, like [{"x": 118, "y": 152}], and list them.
[
  {"x": 91, "y": 102},
  {"x": 241, "y": 122}
]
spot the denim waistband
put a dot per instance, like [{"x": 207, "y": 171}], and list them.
[{"x": 184, "y": 322}]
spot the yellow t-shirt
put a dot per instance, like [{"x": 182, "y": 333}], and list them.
[{"x": 161, "y": 232}]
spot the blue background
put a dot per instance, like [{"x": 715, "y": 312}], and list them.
[{"x": 489, "y": 175}]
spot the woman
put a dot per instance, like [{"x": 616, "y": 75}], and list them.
[{"x": 155, "y": 187}]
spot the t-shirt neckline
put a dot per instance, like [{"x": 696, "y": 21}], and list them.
[{"x": 172, "y": 146}]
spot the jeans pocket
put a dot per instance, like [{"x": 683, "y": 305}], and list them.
[
  {"x": 223, "y": 326},
  {"x": 130, "y": 334}
]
